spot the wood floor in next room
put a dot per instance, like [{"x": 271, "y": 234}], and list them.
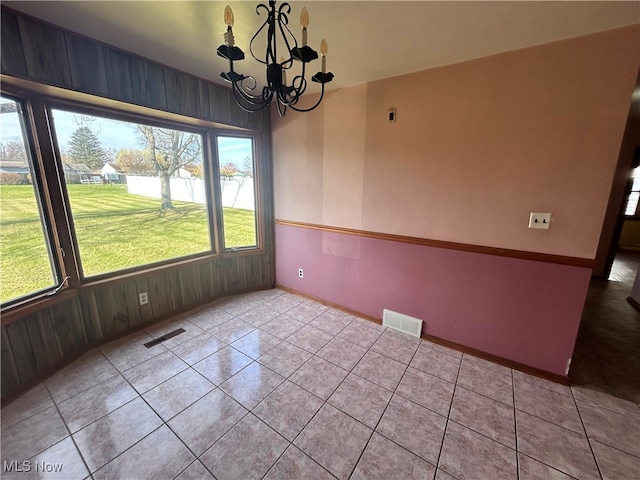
[
  {"x": 272, "y": 385},
  {"x": 607, "y": 352}
]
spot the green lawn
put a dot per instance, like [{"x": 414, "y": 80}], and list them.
[{"x": 115, "y": 230}]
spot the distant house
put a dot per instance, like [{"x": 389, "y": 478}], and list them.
[
  {"x": 79, "y": 168},
  {"x": 16, "y": 167},
  {"x": 109, "y": 173},
  {"x": 73, "y": 172},
  {"x": 79, "y": 173},
  {"x": 108, "y": 169},
  {"x": 183, "y": 173}
]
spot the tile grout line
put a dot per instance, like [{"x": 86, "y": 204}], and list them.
[
  {"x": 162, "y": 420},
  {"x": 325, "y": 402},
  {"x": 55, "y": 404},
  {"x": 470, "y": 390},
  {"x": 446, "y": 425},
  {"x": 197, "y": 458},
  {"x": 515, "y": 410},
  {"x": 61, "y": 401},
  {"x": 216, "y": 387},
  {"x": 145, "y": 401},
  {"x": 291, "y": 442},
  {"x": 586, "y": 434},
  {"x": 544, "y": 462},
  {"x": 529, "y": 382},
  {"x": 374, "y": 430},
  {"x": 480, "y": 393},
  {"x": 608, "y": 409}
]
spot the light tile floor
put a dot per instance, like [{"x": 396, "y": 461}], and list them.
[{"x": 272, "y": 385}]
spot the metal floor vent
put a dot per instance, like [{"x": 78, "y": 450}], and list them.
[
  {"x": 401, "y": 322},
  {"x": 164, "y": 337}
]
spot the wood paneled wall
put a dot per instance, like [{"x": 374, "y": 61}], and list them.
[
  {"x": 35, "y": 345},
  {"x": 40, "y": 342},
  {"x": 36, "y": 51}
]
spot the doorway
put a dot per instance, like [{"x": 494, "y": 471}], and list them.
[{"x": 606, "y": 356}]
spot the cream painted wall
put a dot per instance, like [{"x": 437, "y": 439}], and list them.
[
  {"x": 320, "y": 161},
  {"x": 476, "y": 147}
]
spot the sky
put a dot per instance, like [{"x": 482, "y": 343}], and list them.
[{"x": 114, "y": 134}]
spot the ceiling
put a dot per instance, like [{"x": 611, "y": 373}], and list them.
[{"x": 367, "y": 40}]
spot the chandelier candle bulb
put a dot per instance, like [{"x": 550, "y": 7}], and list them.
[
  {"x": 228, "y": 16},
  {"x": 228, "y": 20},
  {"x": 304, "y": 22},
  {"x": 323, "y": 51}
]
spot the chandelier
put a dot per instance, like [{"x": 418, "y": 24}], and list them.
[{"x": 277, "y": 88}]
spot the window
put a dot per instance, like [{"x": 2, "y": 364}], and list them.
[
  {"x": 26, "y": 261},
  {"x": 93, "y": 191},
  {"x": 235, "y": 157},
  {"x": 634, "y": 196},
  {"x": 136, "y": 191}
]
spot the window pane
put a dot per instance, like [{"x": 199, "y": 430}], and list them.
[
  {"x": 636, "y": 180},
  {"x": 137, "y": 192},
  {"x": 26, "y": 265},
  {"x": 235, "y": 156},
  {"x": 634, "y": 195},
  {"x": 632, "y": 203}
]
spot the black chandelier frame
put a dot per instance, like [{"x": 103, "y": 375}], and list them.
[{"x": 286, "y": 96}]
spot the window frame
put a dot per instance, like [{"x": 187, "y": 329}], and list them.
[
  {"x": 39, "y": 100},
  {"x": 45, "y": 211},
  {"x": 72, "y": 107},
  {"x": 256, "y": 195}
]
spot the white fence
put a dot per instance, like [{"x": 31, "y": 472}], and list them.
[{"x": 237, "y": 192}]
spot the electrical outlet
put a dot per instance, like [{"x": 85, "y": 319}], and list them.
[
  {"x": 539, "y": 220},
  {"x": 143, "y": 298},
  {"x": 300, "y": 273}
]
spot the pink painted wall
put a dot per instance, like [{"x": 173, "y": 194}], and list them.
[
  {"x": 477, "y": 146},
  {"x": 520, "y": 310}
]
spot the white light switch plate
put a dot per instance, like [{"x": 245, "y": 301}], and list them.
[{"x": 539, "y": 220}]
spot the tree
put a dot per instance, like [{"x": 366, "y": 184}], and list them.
[
  {"x": 13, "y": 150},
  {"x": 169, "y": 150},
  {"x": 247, "y": 167},
  {"x": 228, "y": 170},
  {"x": 85, "y": 148},
  {"x": 130, "y": 160},
  {"x": 195, "y": 170},
  {"x": 245, "y": 173},
  {"x": 110, "y": 155},
  {"x": 231, "y": 172}
]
